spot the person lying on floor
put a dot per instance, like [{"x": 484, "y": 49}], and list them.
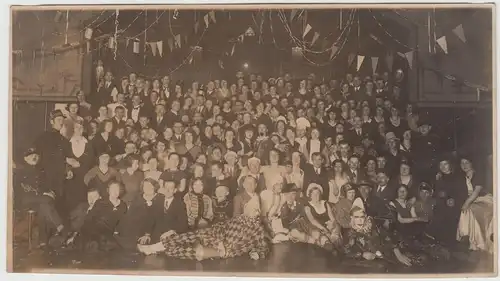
[
  {"x": 284, "y": 215},
  {"x": 317, "y": 225},
  {"x": 100, "y": 226},
  {"x": 242, "y": 234},
  {"x": 33, "y": 197}
]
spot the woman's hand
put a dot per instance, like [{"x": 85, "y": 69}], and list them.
[
  {"x": 144, "y": 239},
  {"x": 439, "y": 176},
  {"x": 402, "y": 258},
  {"x": 369, "y": 256}
]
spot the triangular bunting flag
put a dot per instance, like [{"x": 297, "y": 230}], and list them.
[
  {"x": 153, "y": 48},
  {"x": 316, "y": 36},
  {"x": 360, "y": 62},
  {"x": 196, "y": 26},
  {"x": 206, "y": 20},
  {"x": 241, "y": 37},
  {"x": 389, "y": 60},
  {"x": 443, "y": 44},
  {"x": 136, "y": 47},
  {"x": 232, "y": 50},
  {"x": 190, "y": 59},
  {"x": 401, "y": 55},
  {"x": 159, "y": 45},
  {"x": 221, "y": 64},
  {"x": 459, "y": 32},
  {"x": 350, "y": 59},
  {"x": 409, "y": 58},
  {"x": 334, "y": 51},
  {"x": 178, "y": 40},
  {"x": 374, "y": 64},
  {"x": 212, "y": 16},
  {"x": 127, "y": 42},
  {"x": 171, "y": 43},
  {"x": 293, "y": 13},
  {"x": 306, "y": 30}
]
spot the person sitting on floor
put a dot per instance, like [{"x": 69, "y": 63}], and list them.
[
  {"x": 318, "y": 225},
  {"x": 198, "y": 206},
  {"x": 168, "y": 214},
  {"x": 284, "y": 216},
  {"x": 78, "y": 215},
  {"x": 134, "y": 227},
  {"x": 100, "y": 226},
  {"x": 223, "y": 209}
]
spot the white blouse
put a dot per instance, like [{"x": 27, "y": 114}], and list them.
[{"x": 78, "y": 145}]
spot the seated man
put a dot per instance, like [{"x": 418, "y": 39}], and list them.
[
  {"x": 41, "y": 201},
  {"x": 284, "y": 215}
]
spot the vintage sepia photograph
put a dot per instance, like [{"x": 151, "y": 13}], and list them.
[{"x": 253, "y": 140}]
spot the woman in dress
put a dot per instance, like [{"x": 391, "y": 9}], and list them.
[
  {"x": 76, "y": 190},
  {"x": 408, "y": 224},
  {"x": 406, "y": 178},
  {"x": 71, "y": 119},
  {"x": 102, "y": 143},
  {"x": 396, "y": 124},
  {"x": 476, "y": 218},
  {"x": 339, "y": 178},
  {"x": 371, "y": 168},
  {"x": 101, "y": 175},
  {"x": 243, "y": 234},
  {"x": 231, "y": 143},
  {"x": 103, "y": 114},
  {"x": 318, "y": 225},
  {"x": 189, "y": 145}
]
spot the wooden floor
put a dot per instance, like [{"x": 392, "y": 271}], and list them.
[{"x": 284, "y": 258}]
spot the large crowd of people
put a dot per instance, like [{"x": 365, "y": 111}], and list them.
[{"x": 222, "y": 170}]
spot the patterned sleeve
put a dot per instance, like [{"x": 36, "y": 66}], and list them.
[{"x": 351, "y": 249}]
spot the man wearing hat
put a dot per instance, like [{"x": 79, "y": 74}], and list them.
[
  {"x": 427, "y": 145},
  {"x": 35, "y": 197},
  {"x": 55, "y": 153}
]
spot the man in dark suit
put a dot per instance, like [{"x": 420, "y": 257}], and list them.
[
  {"x": 316, "y": 173},
  {"x": 169, "y": 216},
  {"x": 136, "y": 109},
  {"x": 384, "y": 190},
  {"x": 173, "y": 115},
  {"x": 118, "y": 119},
  {"x": 355, "y": 172},
  {"x": 357, "y": 132},
  {"x": 158, "y": 121},
  {"x": 357, "y": 90}
]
